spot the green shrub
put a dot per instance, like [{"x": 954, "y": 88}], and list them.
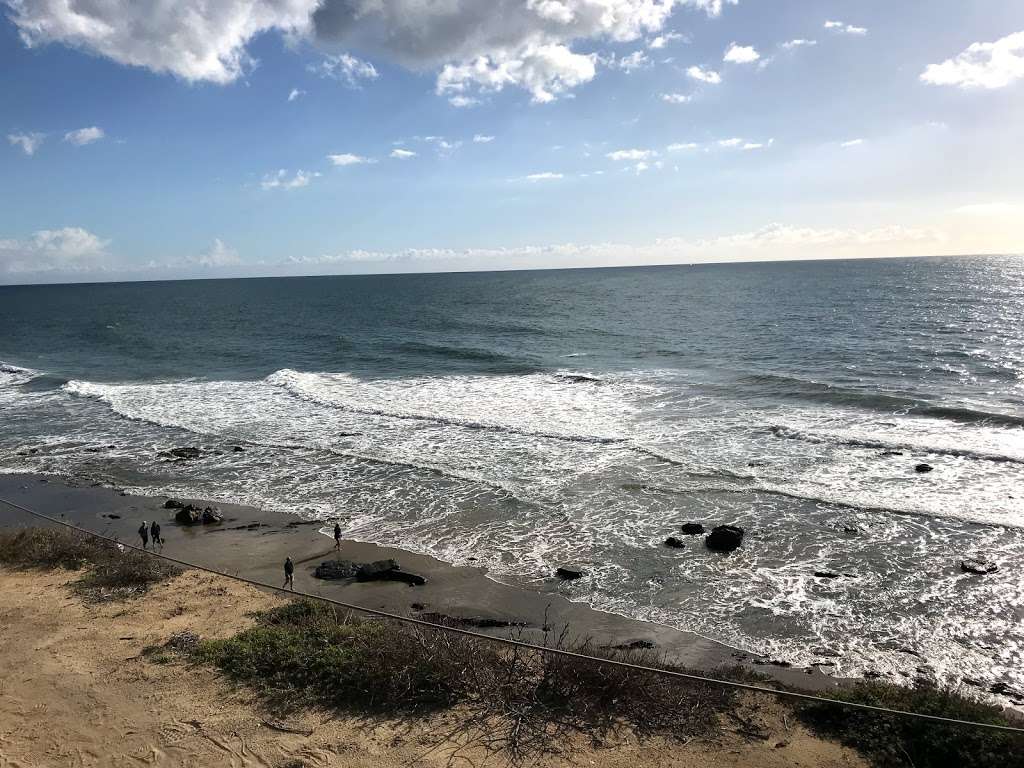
[
  {"x": 889, "y": 740},
  {"x": 110, "y": 573}
]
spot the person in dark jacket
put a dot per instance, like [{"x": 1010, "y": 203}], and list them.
[
  {"x": 144, "y": 535},
  {"x": 154, "y": 534},
  {"x": 337, "y": 536},
  {"x": 289, "y": 572}
]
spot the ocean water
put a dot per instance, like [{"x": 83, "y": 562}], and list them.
[{"x": 533, "y": 419}]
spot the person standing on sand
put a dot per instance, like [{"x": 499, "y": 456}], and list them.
[
  {"x": 337, "y": 536},
  {"x": 154, "y": 534},
  {"x": 289, "y": 571},
  {"x": 144, "y": 535}
]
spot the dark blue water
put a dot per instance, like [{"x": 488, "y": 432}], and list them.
[{"x": 532, "y": 418}]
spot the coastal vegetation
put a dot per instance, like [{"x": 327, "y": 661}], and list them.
[
  {"x": 106, "y": 572},
  {"x": 520, "y": 702}
]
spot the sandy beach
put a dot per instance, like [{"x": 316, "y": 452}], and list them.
[
  {"x": 76, "y": 690},
  {"x": 254, "y": 543}
]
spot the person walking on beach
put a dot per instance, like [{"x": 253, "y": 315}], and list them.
[
  {"x": 154, "y": 534},
  {"x": 144, "y": 535},
  {"x": 337, "y": 536},
  {"x": 289, "y": 571}
]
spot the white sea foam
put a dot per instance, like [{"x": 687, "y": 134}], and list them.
[{"x": 528, "y": 472}]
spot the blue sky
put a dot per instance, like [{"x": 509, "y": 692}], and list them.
[{"x": 194, "y": 139}]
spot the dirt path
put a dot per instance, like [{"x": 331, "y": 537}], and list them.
[{"x": 76, "y": 691}]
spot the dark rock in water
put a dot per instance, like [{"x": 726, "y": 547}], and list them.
[
  {"x": 1003, "y": 689},
  {"x": 173, "y": 504},
  {"x": 336, "y": 569},
  {"x": 112, "y": 516},
  {"x": 891, "y": 453},
  {"x": 188, "y": 452},
  {"x": 923, "y": 468},
  {"x": 851, "y": 529},
  {"x": 827, "y": 574},
  {"x": 570, "y": 573},
  {"x": 724, "y": 538},
  {"x": 978, "y": 567},
  {"x": 692, "y": 529},
  {"x": 237, "y": 449},
  {"x": 675, "y": 543},
  {"x": 188, "y": 515},
  {"x": 578, "y": 378},
  {"x": 212, "y": 515}
]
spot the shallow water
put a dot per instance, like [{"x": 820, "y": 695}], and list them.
[{"x": 530, "y": 419}]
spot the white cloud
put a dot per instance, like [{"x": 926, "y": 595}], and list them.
[
  {"x": 774, "y": 241},
  {"x": 991, "y": 209},
  {"x": 345, "y": 68},
  {"x": 347, "y": 158},
  {"x": 192, "y": 39},
  {"x": 676, "y": 98},
  {"x": 844, "y": 28},
  {"x": 750, "y": 145},
  {"x": 295, "y": 93},
  {"x": 280, "y": 180},
  {"x": 482, "y": 139},
  {"x": 219, "y": 255},
  {"x": 29, "y": 142},
  {"x": 631, "y": 154},
  {"x": 852, "y": 143},
  {"x": 66, "y": 249},
  {"x": 659, "y": 42},
  {"x": 799, "y": 43},
  {"x": 544, "y": 176},
  {"x": 458, "y": 100},
  {"x": 84, "y": 136},
  {"x": 982, "y": 65},
  {"x": 730, "y": 143},
  {"x": 402, "y": 154},
  {"x": 634, "y": 61},
  {"x": 546, "y": 71},
  {"x": 485, "y": 44},
  {"x": 443, "y": 146},
  {"x": 682, "y": 147},
  {"x": 740, "y": 54},
  {"x": 704, "y": 75}
]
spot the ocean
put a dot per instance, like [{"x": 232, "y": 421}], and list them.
[{"x": 527, "y": 420}]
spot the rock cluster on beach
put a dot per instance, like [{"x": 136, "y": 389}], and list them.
[
  {"x": 190, "y": 514},
  {"x": 378, "y": 570}
]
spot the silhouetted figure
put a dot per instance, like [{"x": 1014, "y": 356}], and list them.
[
  {"x": 154, "y": 534},
  {"x": 337, "y": 536},
  {"x": 144, "y": 534},
  {"x": 289, "y": 571}
]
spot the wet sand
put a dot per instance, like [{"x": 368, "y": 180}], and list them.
[{"x": 254, "y": 543}]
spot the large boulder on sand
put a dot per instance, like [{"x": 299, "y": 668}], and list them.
[
  {"x": 724, "y": 538},
  {"x": 173, "y": 504},
  {"x": 212, "y": 515},
  {"x": 188, "y": 515},
  {"x": 387, "y": 570},
  {"x": 336, "y": 569}
]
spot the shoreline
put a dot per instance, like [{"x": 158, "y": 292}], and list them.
[{"x": 254, "y": 542}]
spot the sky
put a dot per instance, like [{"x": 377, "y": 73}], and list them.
[{"x": 147, "y": 140}]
